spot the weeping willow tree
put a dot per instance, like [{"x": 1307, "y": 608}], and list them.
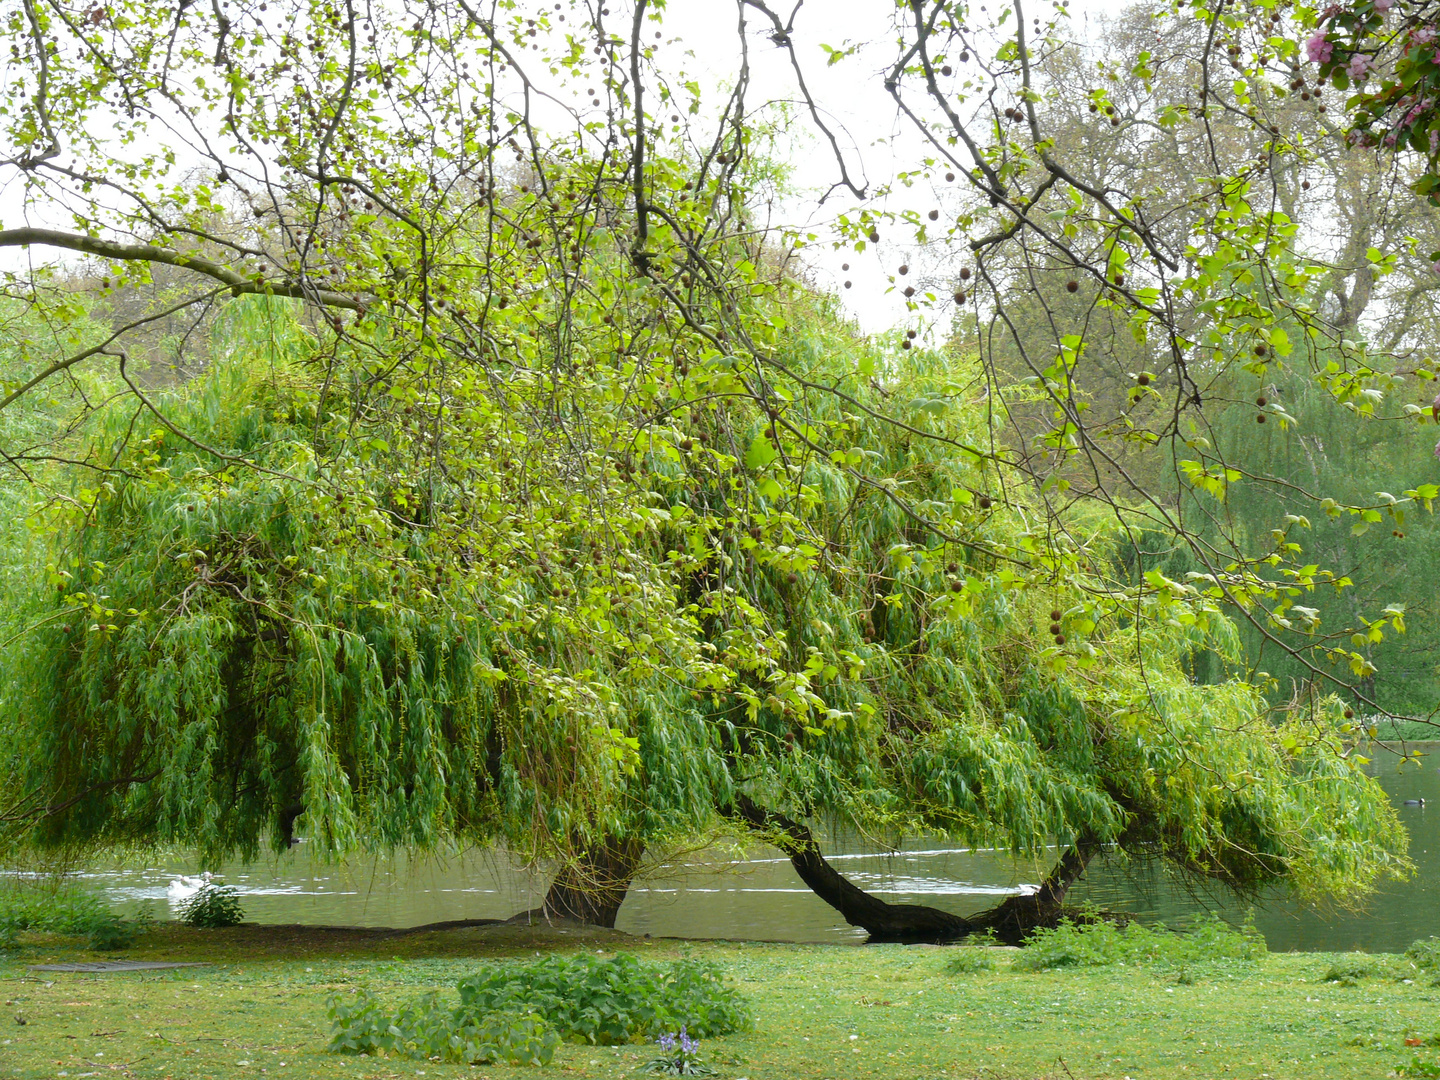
[
  {"x": 225, "y": 646},
  {"x": 531, "y": 498}
]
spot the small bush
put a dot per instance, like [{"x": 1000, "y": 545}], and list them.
[
  {"x": 112, "y": 932},
  {"x": 212, "y": 907},
  {"x": 1099, "y": 943},
  {"x": 967, "y": 961},
  {"x": 424, "y": 1030},
  {"x": 612, "y": 1000},
  {"x": 1425, "y": 954},
  {"x": 65, "y": 909},
  {"x": 519, "y": 1012},
  {"x": 1348, "y": 970}
]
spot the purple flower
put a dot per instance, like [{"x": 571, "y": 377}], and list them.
[{"x": 1318, "y": 48}]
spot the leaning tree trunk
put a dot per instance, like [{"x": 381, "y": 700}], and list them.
[
  {"x": 884, "y": 921},
  {"x": 590, "y": 887},
  {"x": 1016, "y": 918}
]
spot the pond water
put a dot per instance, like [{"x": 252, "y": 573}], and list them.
[{"x": 760, "y": 897}]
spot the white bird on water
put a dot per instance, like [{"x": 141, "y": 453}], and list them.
[{"x": 183, "y": 888}]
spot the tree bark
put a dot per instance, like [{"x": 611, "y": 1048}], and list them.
[
  {"x": 591, "y": 887},
  {"x": 883, "y": 921}
]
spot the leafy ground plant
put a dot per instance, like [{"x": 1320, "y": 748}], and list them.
[
  {"x": 425, "y": 1030},
  {"x": 1100, "y": 942},
  {"x": 1350, "y": 969},
  {"x": 213, "y": 906},
  {"x": 967, "y": 961},
  {"x": 612, "y": 1000},
  {"x": 63, "y": 908},
  {"x": 1425, "y": 954}
]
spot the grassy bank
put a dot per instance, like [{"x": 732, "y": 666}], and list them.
[{"x": 893, "y": 1012}]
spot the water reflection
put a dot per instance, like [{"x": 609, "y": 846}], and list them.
[{"x": 761, "y": 897}]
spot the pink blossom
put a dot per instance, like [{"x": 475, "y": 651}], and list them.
[
  {"x": 1359, "y": 67},
  {"x": 1319, "y": 49},
  {"x": 1437, "y": 449},
  {"x": 1436, "y": 58},
  {"x": 1424, "y": 35},
  {"x": 1434, "y": 140},
  {"x": 1392, "y": 138},
  {"x": 1435, "y": 267},
  {"x": 1382, "y": 6}
]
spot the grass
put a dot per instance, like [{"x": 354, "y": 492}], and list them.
[{"x": 841, "y": 1012}]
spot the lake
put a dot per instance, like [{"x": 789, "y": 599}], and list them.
[{"x": 760, "y": 897}]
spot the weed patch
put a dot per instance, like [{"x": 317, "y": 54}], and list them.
[
  {"x": 967, "y": 961},
  {"x": 1351, "y": 969},
  {"x": 1100, "y": 943},
  {"x": 519, "y": 1012},
  {"x": 68, "y": 910}
]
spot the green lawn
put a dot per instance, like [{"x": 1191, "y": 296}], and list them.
[{"x": 821, "y": 1012}]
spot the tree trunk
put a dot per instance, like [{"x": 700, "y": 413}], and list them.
[
  {"x": 884, "y": 921},
  {"x": 590, "y": 887},
  {"x": 1017, "y": 917}
]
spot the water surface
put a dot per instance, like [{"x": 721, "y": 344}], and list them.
[{"x": 762, "y": 898}]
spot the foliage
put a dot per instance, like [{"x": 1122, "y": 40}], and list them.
[
  {"x": 66, "y": 909},
  {"x": 1351, "y": 969},
  {"x": 679, "y": 1056},
  {"x": 213, "y": 906},
  {"x": 424, "y": 1031},
  {"x": 518, "y": 1012},
  {"x": 1418, "y": 1066},
  {"x": 530, "y": 496},
  {"x": 1384, "y": 54},
  {"x": 613, "y": 1000},
  {"x": 1101, "y": 942},
  {"x": 1425, "y": 953},
  {"x": 967, "y": 961}
]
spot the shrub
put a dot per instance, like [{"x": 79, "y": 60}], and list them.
[
  {"x": 1425, "y": 954},
  {"x": 1099, "y": 943},
  {"x": 65, "y": 909},
  {"x": 111, "y": 932},
  {"x": 1350, "y": 969},
  {"x": 967, "y": 961},
  {"x": 212, "y": 907},
  {"x": 424, "y": 1030},
  {"x": 612, "y": 1000},
  {"x": 519, "y": 1012}
]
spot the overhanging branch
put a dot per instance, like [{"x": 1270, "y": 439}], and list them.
[{"x": 110, "y": 249}]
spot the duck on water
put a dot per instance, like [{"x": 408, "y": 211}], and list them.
[{"x": 1414, "y": 802}]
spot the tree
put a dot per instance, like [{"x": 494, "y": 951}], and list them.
[{"x": 547, "y": 457}]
